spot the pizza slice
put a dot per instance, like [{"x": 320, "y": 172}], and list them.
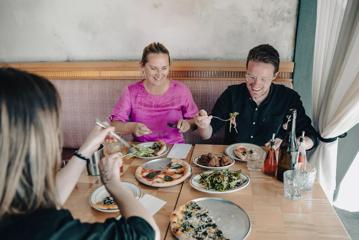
[
  {"x": 175, "y": 172},
  {"x": 191, "y": 221},
  {"x": 159, "y": 147},
  {"x": 242, "y": 152},
  {"x": 107, "y": 203}
]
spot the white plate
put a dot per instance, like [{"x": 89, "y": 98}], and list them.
[
  {"x": 100, "y": 193},
  {"x": 195, "y": 161},
  {"x": 198, "y": 186},
  {"x": 255, "y": 148},
  {"x": 230, "y": 218},
  {"x": 149, "y": 144}
]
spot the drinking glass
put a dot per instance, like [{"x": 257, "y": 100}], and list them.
[
  {"x": 255, "y": 162},
  {"x": 92, "y": 165},
  {"x": 112, "y": 146},
  {"x": 293, "y": 184},
  {"x": 309, "y": 178}
]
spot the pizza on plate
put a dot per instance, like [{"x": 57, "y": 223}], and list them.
[
  {"x": 242, "y": 152},
  {"x": 191, "y": 221},
  {"x": 174, "y": 173},
  {"x": 107, "y": 204}
]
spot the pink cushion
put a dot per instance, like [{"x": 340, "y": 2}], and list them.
[{"x": 85, "y": 100}]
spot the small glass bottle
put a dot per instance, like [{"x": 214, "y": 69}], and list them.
[
  {"x": 270, "y": 163},
  {"x": 301, "y": 162},
  {"x": 288, "y": 149}
]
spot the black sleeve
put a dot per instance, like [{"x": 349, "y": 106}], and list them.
[
  {"x": 123, "y": 229},
  {"x": 303, "y": 121},
  {"x": 221, "y": 109}
]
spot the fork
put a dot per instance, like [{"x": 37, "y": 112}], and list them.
[
  {"x": 118, "y": 137},
  {"x": 224, "y": 120}
]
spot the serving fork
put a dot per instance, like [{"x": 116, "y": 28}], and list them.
[{"x": 105, "y": 124}]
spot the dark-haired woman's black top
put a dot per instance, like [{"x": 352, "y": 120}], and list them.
[
  {"x": 59, "y": 224},
  {"x": 257, "y": 123}
]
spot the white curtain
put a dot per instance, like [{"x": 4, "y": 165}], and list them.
[{"x": 336, "y": 92}]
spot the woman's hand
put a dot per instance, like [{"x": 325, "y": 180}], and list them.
[
  {"x": 68, "y": 176},
  {"x": 183, "y": 125},
  {"x": 94, "y": 139},
  {"x": 141, "y": 129},
  {"x": 202, "y": 120},
  {"x": 110, "y": 168}
]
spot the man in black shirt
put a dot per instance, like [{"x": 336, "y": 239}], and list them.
[{"x": 262, "y": 107}]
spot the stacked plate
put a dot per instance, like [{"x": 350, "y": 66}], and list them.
[{"x": 101, "y": 193}]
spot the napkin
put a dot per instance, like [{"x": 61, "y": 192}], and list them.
[
  {"x": 179, "y": 151},
  {"x": 151, "y": 203}
]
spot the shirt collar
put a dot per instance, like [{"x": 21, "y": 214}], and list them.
[{"x": 265, "y": 101}]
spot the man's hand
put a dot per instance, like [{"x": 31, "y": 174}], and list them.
[
  {"x": 202, "y": 120},
  {"x": 308, "y": 142},
  {"x": 141, "y": 129}
]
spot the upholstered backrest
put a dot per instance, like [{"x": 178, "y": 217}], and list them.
[
  {"x": 90, "y": 90},
  {"x": 85, "y": 100}
]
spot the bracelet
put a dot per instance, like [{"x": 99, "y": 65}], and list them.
[{"x": 82, "y": 157}]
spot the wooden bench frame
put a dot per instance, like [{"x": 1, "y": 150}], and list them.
[{"x": 128, "y": 70}]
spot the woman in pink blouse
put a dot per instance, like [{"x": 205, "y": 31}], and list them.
[{"x": 155, "y": 108}]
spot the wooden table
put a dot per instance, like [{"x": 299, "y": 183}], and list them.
[
  {"x": 272, "y": 216},
  {"x": 79, "y": 198}
]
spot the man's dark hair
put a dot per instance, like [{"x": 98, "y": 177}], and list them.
[{"x": 264, "y": 53}]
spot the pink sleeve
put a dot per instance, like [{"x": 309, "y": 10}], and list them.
[
  {"x": 190, "y": 109},
  {"x": 122, "y": 109}
]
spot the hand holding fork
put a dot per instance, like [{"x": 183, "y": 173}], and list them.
[
  {"x": 105, "y": 124},
  {"x": 182, "y": 125},
  {"x": 203, "y": 120}
]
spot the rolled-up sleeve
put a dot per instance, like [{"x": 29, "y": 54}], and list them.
[
  {"x": 122, "y": 108},
  {"x": 189, "y": 109}
]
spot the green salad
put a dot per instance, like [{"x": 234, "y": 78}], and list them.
[
  {"x": 221, "y": 180},
  {"x": 143, "y": 152}
]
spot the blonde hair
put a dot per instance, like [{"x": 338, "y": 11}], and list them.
[
  {"x": 156, "y": 48},
  {"x": 30, "y": 142}
]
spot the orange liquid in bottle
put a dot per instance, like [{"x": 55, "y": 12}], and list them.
[{"x": 270, "y": 163}]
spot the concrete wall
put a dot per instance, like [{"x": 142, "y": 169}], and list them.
[{"x": 68, "y": 30}]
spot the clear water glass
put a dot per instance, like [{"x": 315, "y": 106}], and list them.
[
  {"x": 309, "y": 178},
  {"x": 255, "y": 162},
  {"x": 293, "y": 184}
]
